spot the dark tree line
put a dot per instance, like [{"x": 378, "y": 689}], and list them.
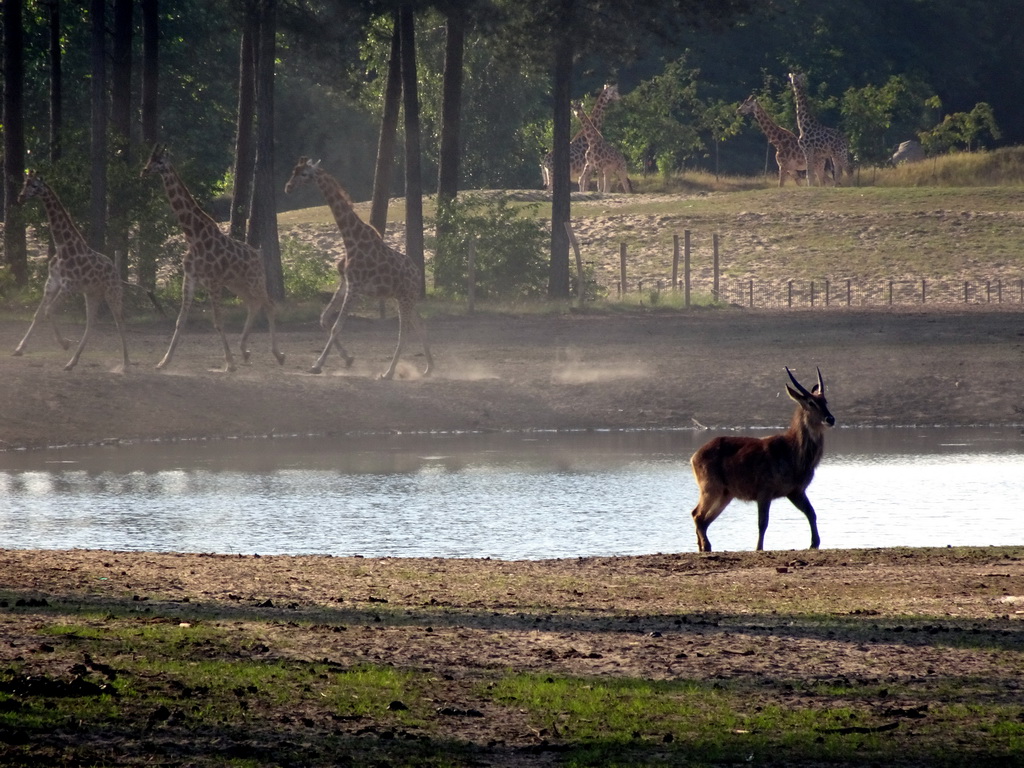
[{"x": 472, "y": 90}]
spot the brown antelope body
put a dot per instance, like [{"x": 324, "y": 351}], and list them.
[{"x": 763, "y": 469}]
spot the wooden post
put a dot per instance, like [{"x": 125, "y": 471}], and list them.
[
  {"x": 849, "y": 293},
  {"x": 890, "y": 293},
  {"x": 751, "y": 294},
  {"x": 999, "y": 291},
  {"x": 622, "y": 267},
  {"x": 686, "y": 269},
  {"x": 471, "y": 278},
  {"x": 827, "y": 286},
  {"x": 714, "y": 246},
  {"x": 965, "y": 291},
  {"x": 924, "y": 293},
  {"x": 790, "y": 291},
  {"x": 988, "y": 291},
  {"x": 812, "y": 293},
  {"x": 675, "y": 261},
  {"x": 579, "y": 262}
]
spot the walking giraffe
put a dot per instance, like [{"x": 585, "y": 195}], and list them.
[
  {"x": 74, "y": 268},
  {"x": 578, "y": 144},
  {"x": 788, "y": 155},
  {"x": 818, "y": 142},
  {"x": 215, "y": 261},
  {"x": 602, "y": 158},
  {"x": 369, "y": 267}
]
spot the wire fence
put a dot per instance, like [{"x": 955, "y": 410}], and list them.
[{"x": 804, "y": 293}]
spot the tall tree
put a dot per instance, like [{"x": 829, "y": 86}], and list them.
[
  {"x": 56, "y": 81},
  {"x": 121, "y": 130},
  {"x": 413, "y": 163},
  {"x": 388, "y": 128},
  {"x": 451, "y": 104},
  {"x": 263, "y": 215},
  {"x": 245, "y": 152},
  {"x": 98, "y": 127},
  {"x": 150, "y": 71},
  {"x": 15, "y": 248}
]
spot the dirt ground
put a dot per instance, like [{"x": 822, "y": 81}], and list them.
[
  {"x": 577, "y": 370},
  {"x": 899, "y": 616}
]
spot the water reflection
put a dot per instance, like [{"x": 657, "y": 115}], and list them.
[{"x": 508, "y": 496}]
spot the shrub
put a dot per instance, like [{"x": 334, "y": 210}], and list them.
[
  {"x": 306, "y": 270},
  {"x": 510, "y": 248}
]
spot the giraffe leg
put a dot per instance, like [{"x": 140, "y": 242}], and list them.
[
  {"x": 251, "y": 307},
  {"x": 51, "y": 295},
  {"x": 91, "y": 300},
  {"x": 417, "y": 325},
  {"x": 271, "y": 311},
  {"x": 115, "y": 301},
  {"x": 332, "y": 340},
  {"x": 405, "y": 309},
  {"x": 585, "y": 178},
  {"x": 188, "y": 291},
  {"x": 229, "y": 359}
]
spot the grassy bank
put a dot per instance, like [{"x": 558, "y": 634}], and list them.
[{"x": 852, "y": 658}]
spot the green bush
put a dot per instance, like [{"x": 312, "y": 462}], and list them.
[
  {"x": 307, "y": 272},
  {"x": 510, "y": 248}
]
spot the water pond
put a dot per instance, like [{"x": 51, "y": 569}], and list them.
[{"x": 509, "y": 496}]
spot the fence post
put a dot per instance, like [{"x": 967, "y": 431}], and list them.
[
  {"x": 890, "y": 293},
  {"x": 827, "y": 287},
  {"x": 471, "y": 278},
  {"x": 988, "y": 291},
  {"x": 686, "y": 268},
  {"x": 999, "y": 290},
  {"x": 579, "y": 262},
  {"x": 965, "y": 291},
  {"x": 849, "y": 293},
  {"x": 751, "y": 294},
  {"x": 812, "y": 293},
  {"x": 622, "y": 267},
  {"x": 675, "y": 260},
  {"x": 924, "y": 295},
  {"x": 714, "y": 245},
  {"x": 789, "y": 300}
]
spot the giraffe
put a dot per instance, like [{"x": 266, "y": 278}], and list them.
[
  {"x": 788, "y": 155},
  {"x": 602, "y": 157},
  {"x": 578, "y": 144},
  {"x": 369, "y": 267},
  {"x": 74, "y": 267},
  {"x": 819, "y": 142},
  {"x": 215, "y": 261}
]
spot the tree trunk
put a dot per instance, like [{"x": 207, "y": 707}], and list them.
[
  {"x": 121, "y": 129},
  {"x": 241, "y": 197},
  {"x": 15, "y": 251},
  {"x": 263, "y": 215},
  {"x": 150, "y": 129},
  {"x": 558, "y": 284},
  {"x": 388, "y": 128},
  {"x": 56, "y": 83},
  {"x": 413, "y": 170},
  {"x": 451, "y": 117},
  {"x": 150, "y": 72},
  {"x": 451, "y": 106},
  {"x": 98, "y": 128}
]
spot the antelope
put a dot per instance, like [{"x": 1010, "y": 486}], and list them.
[{"x": 763, "y": 469}]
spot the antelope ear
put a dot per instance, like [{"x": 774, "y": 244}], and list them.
[{"x": 795, "y": 395}]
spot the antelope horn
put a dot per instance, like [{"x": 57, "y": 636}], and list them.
[
  {"x": 821, "y": 384},
  {"x": 798, "y": 385}
]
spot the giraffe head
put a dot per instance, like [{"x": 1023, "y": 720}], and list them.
[
  {"x": 158, "y": 162},
  {"x": 748, "y": 106},
  {"x": 34, "y": 187},
  {"x": 798, "y": 80},
  {"x": 304, "y": 171},
  {"x": 610, "y": 92}
]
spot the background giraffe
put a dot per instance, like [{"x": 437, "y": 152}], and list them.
[
  {"x": 819, "y": 142},
  {"x": 75, "y": 267},
  {"x": 602, "y": 158},
  {"x": 214, "y": 261},
  {"x": 788, "y": 155},
  {"x": 578, "y": 144},
  {"x": 369, "y": 267}
]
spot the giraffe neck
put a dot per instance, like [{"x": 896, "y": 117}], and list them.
[
  {"x": 804, "y": 120},
  {"x": 193, "y": 219},
  {"x": 772, "y": 130},
  {"x": 63, "y": 230},
  {"x": 353, "y": 229},
  {"x": 597, "y": 114}
]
